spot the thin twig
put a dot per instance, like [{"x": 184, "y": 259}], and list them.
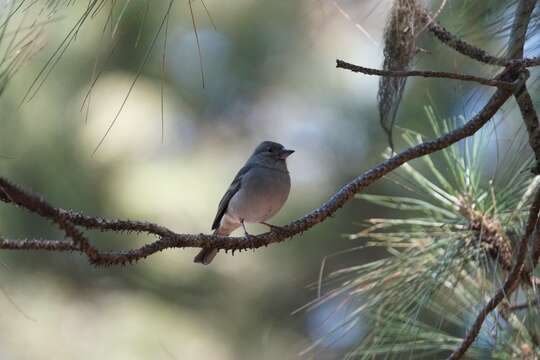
[
  {"x": 524, "y": 305},
  {"x": 472, "y": 51},
  {"x": 38, "y": 244},
  {"x": 423, "y": 73},
  {"x": 530, "y": 62},
  {"x": 460, "y": 45}
]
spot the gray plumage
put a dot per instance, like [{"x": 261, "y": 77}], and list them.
[{"x": 257, "y": 193}]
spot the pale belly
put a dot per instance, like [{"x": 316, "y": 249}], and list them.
[{"x": 257, "y": 201}]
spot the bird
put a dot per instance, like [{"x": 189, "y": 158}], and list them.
[{"x": 259, "y": 190}]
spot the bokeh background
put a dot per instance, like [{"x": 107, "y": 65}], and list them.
[{"x": 269, "y": 73}]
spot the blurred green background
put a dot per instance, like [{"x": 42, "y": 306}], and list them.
[{"x": 269, "y": 72}]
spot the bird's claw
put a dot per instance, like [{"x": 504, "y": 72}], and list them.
[
  {"x": 275, "y": 228},
  {"x": 250, "y": 239}
]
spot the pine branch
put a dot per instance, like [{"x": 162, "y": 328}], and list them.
[
  {"x": 11, "y": 193},
  {"x": 530, "y": 119},
  {"x": 530, "y": 62},
  {"x": 38, "y": 244},
  {"x": 523, "y": 98},
  {"x": 524, "y": 305},
  {"x": 460, "y": 45},
  {"x": 519, "y": 29},
  {"x": 423, "y": 73},
  {"x": 515, "y": 50},
  {"x": 509, "y": 285},
  {"x": 472, "y": 51}
]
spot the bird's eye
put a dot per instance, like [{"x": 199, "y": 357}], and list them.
[{"x": 270, "y": 149}]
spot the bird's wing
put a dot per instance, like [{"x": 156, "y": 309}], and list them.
[{"x": 233, "y": 189}]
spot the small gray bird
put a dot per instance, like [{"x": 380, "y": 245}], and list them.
[{"x": 257, "y": 193}]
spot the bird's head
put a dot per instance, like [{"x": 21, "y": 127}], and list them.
[{"x": 272, "y": 151}]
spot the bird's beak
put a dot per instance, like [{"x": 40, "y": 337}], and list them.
[{"x": 285, "y": 153}]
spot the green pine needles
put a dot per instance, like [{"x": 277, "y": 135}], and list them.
[{"x": 449, "y": 242}]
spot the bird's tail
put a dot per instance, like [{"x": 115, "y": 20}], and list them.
[{"x": 206, "y": 255}]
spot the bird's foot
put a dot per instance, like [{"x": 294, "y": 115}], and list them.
[
  {"x": 275, "y": 228},
  {"x": 249, "y": 238}
]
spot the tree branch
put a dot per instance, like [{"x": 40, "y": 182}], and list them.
[
  {"x": 12, "y": 194},
  {"x": 515, "y": 50},
  {"x": 38, "y": 244},
  {"x": 169, "y": 239},
  {"x": 475, "y": 52},
  {"x": 524, "y": 305},
  {"x": 519, "y": 29},
  {"x": 460, "y": 45},
  {"x": 423, "y": 73},
  {"x": 530, "y": 119},
  {"x": 523, "y": 98},
  {"x": 529, "y": 62}
]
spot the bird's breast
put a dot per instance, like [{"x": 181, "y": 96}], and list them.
[{"x": 262, "y": 194}]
